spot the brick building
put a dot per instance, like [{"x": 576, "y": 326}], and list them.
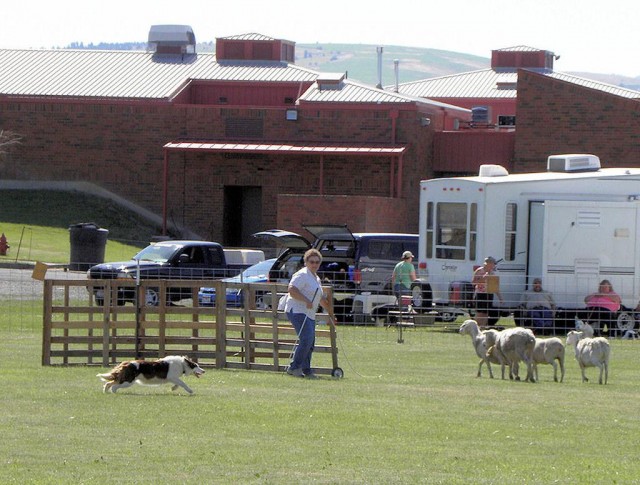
[
  {"x": 524, "y": 111},
  {"x": 225, "y": 145},
  {"x": 560, "y": 116},
  {"x": 221, "y": 145}
]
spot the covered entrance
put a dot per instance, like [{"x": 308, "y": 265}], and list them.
[{"x": 242, "y": 211}]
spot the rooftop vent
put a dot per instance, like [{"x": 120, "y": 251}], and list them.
[
  {"x": 573, "y": 163},
  {"x": 172, "y": 39},
  {"x": 480, "y": 114},
  {"x": 331, "y": 81},
  {"x": 488, "y": 170}
]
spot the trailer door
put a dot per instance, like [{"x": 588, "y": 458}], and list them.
[
  {"x": 535, "y": 242},
  {"x": 586, "y": 242}
]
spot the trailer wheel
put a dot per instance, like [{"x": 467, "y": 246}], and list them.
[
  {"x": 421, "y": 297},
  {"x": 337, "y": 373},
  {"x": 447, "y": 316},
  {"x": 625, "y": 321}
]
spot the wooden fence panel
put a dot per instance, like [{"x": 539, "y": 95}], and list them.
[{"x": 78, "y": 331}]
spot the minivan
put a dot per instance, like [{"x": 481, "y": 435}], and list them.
[{"x": 352, "y": 263}]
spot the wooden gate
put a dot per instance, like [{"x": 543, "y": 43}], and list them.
[{"x": 77, "y": 331}]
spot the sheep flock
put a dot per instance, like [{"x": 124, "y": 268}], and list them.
[{"x": 513, "y": 346}]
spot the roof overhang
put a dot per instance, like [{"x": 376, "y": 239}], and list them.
[
  {"x": 287, "y": 148},
  {"x": 394, "y": 153}
]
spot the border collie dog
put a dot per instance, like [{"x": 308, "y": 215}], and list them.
[{"x": 167, "y": 370}]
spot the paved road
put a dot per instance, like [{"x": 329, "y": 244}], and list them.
[{"x": 19, "y": 285}]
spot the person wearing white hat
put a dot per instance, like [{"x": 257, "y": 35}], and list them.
[{"x": 403, "y": 274}]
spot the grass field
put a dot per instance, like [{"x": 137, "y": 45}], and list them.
[
  {"x": 36, "y": 224},
  {"x": 403, "y": 413}
]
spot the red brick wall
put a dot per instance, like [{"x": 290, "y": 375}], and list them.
[
  {"x": 119, "y": 147},
  {"x": 462, "y": 152},
  {"x": 556, "y": 117},
  {"x": 359, "y": 213}
]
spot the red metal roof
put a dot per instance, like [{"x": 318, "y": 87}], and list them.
[{"x": 294, "y": 148}]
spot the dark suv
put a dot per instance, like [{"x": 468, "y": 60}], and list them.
[{"x": 352, "y": 263}]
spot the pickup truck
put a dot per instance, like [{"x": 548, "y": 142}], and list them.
[{"x": 173, "y": 260}]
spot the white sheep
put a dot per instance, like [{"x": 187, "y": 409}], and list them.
[
  {"x": 591, "y": 352},
  {"x": 481, "y": 341},
  {"x": 547, "y": 351},
  {"x": 512, "y": 346},
  {"x": 585, "y": 328}
]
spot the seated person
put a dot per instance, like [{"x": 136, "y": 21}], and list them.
[
  {"x": 539, "y": 306},
  {"x": 602, "y": 307},
  {"x": 334, "y": 272}
]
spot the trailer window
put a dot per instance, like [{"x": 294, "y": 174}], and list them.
[
  {"x": 429, "y": 241},
  {"x": 511, "y": 219},
  {"x": 451, "y": 230},
  {"x": 473, "y": 230}
]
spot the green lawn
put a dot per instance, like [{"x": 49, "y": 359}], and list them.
[
  {"x": 404, "y": 413},
  {"x": 36, "y": 224}
]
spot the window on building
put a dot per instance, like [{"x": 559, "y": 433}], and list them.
[{"x": 244, "y": 128}]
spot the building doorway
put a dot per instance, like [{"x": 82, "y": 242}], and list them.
[{"x": 242, "y": 215}]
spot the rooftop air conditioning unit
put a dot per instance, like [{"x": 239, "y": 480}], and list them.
[
  {"x": 488, "y": 170},
  {"x": 573, "y": 163}
]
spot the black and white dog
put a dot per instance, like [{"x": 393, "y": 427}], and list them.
[{"x": 167, "y": 370}]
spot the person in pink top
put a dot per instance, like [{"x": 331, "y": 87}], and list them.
[{"x": 602, "y": 307}]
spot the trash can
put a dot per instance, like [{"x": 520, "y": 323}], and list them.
[{"x": 88, "y": 242}]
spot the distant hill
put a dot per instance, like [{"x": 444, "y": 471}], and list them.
[{"x": 360, "y": 61}]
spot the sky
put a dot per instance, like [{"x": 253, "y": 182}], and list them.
[{"x": 588, "y": 35}]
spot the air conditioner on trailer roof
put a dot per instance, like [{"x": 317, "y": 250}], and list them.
[{"x": 573, "y": 163}]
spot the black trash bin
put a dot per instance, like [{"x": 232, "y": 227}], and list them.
[{"x": 88, "y": 242}]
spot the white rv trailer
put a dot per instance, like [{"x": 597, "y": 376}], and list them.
[{"x": 573, "y": 225}]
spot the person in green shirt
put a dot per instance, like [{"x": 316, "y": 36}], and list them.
[{"x": 403, "y": 274}]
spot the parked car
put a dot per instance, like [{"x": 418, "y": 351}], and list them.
[
  {"x": 169, "y": 260},
  {"x": 258, "y": 273},
  {"x": 352, "y": 263}
]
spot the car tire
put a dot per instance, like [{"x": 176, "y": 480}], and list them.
[
  {"x": 151, "y": 297},
  {"x": 342, "y": 309}
]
